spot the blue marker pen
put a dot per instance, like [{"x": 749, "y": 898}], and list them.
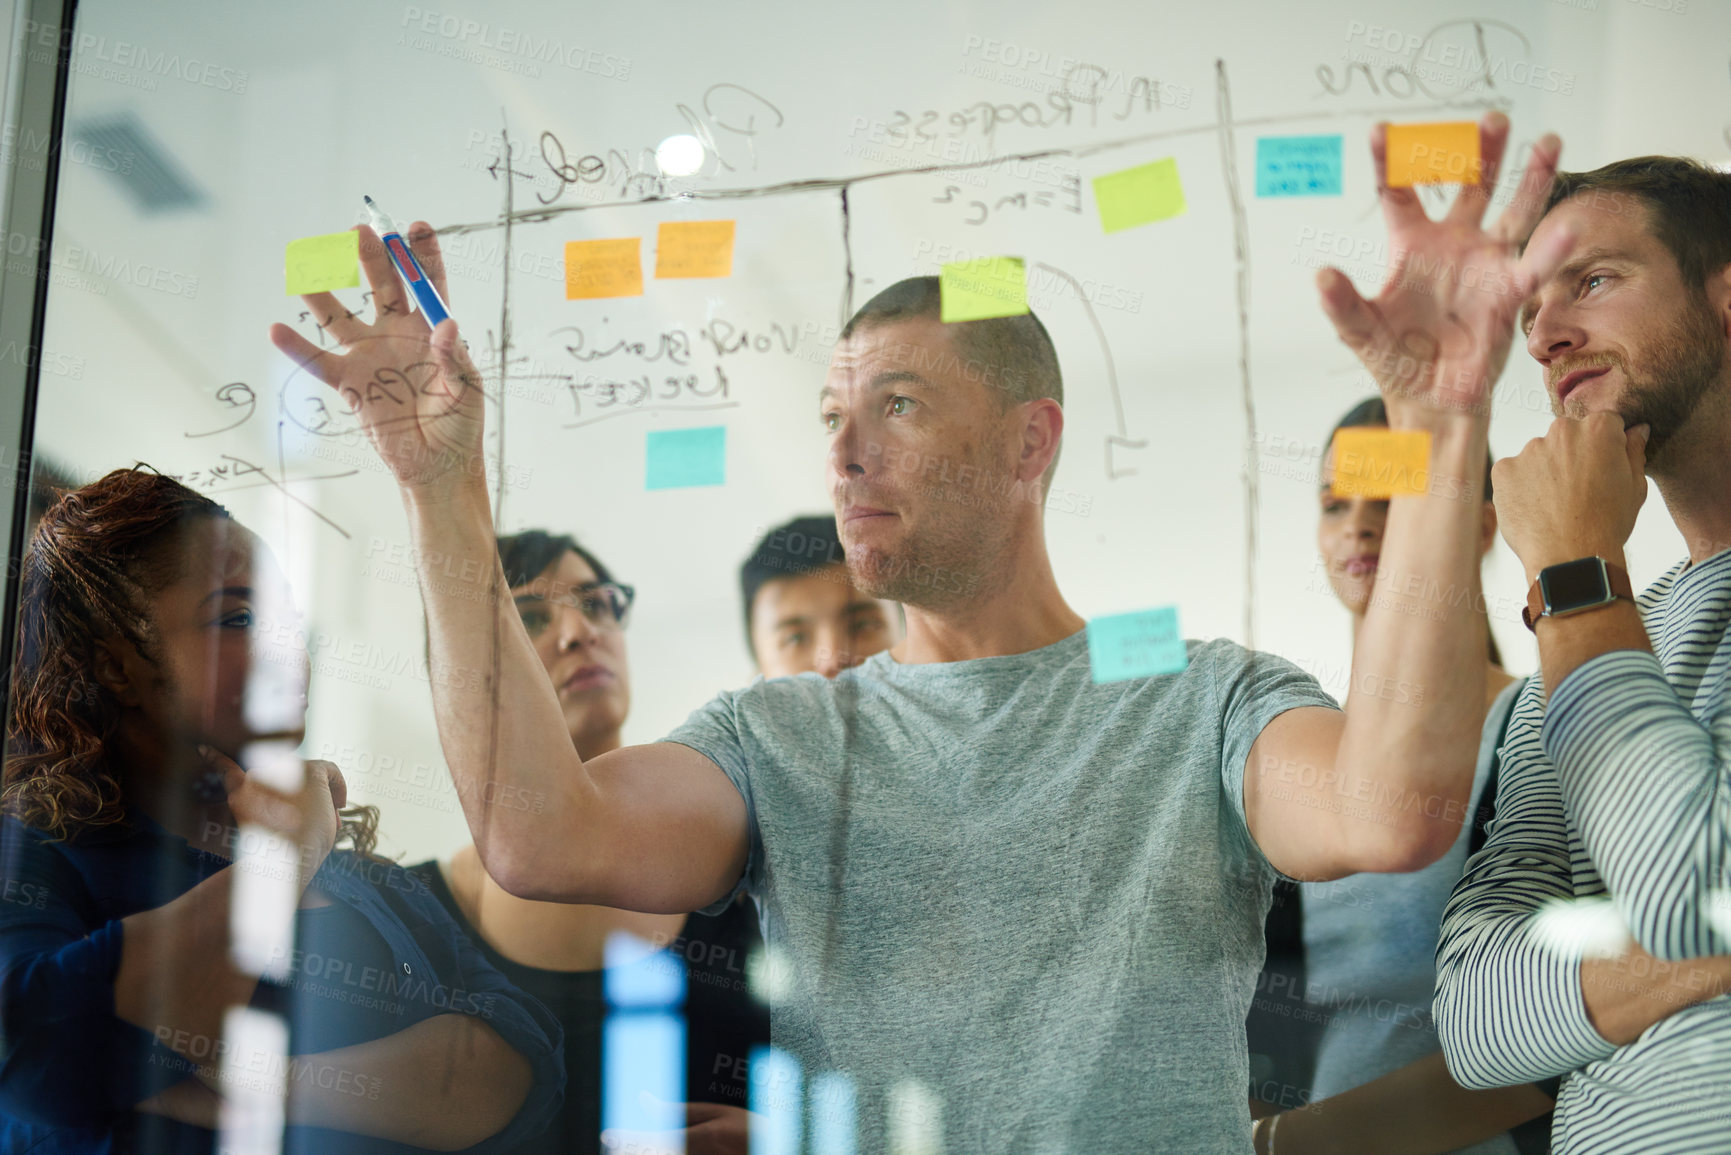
[{"x": 407, "y": 266}]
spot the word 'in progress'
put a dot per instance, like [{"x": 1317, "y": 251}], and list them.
[
  {"x": 320, "y": 264},
  {"x": 1139, "y": 196},
  {"x": 1298, "y": 166},
  {"x": 1377, "y": 463},
  {"x": 607, "y": 268},
  {"x": 1138, "y": 644},
  {"x": 694, "y": 249},
  {"x": 1446, "y": 153},
  {"x": 684, "y": 458},
  {"x": 982, "y": 288}
]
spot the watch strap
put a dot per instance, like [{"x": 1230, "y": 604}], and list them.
[{"x": 1615, "y": 576}]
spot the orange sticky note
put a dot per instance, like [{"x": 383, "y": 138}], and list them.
[
  {"x": 610, "y": 268},
  {"x": 1376, "y": 462},
  {"x": 694, "y": 249},
  {"x": 1433, "y": 154}
]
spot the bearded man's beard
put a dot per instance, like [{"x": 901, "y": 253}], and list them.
[{"x": 1681, "y": 363}]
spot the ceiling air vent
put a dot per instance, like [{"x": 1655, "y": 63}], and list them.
[{"x": 124, "y": 149}]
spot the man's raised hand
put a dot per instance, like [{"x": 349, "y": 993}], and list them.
[
  {"x": 416, "y": 393},
  {"x": 1437, "y": 336}
]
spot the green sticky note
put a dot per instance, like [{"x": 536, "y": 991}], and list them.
[
  {"x": 319, "y": 264},
  {"x": 1135, "y": 645},
  {"x": 978, "y": 289},
  {"x": 682, "y": 458},
  {"x": 1139, "y": 196}
]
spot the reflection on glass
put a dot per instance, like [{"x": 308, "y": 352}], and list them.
[
  {"x": 643, "y": 1040},
  {"x": 833, "y": 1110},
  {"x": 774, "y": 1102},
  {"x": 916, "y": 1119},
  {"x": 254, "y": 1081}
]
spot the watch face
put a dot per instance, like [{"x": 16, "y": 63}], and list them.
[{"x": 1574, "y": 585}]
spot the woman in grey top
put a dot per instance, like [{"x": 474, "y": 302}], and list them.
[{"x": 1375, "y": 1071}]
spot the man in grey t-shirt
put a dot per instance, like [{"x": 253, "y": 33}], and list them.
[
  {"x": 1021, "y": 911},
  {"x": 1047, "y": 925}
]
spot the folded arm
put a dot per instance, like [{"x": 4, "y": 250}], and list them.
[
  {"x": 94, "y": 1028},
  {"x": 1510, "y": 1007},
  {"x": 447, "y": 1083},
  {"x": 1649, "y": 789},
  {"x": 492, "y": 1075}
]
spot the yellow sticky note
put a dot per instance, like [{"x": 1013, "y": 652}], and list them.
[
  {"x": 694, "y": 249},
  {"x": 978, "y": 289},
  {"x": 1140, "y": 195},
  {"x": 319, "y": 264},
  {"x": 1377, "y": 462},
  {"x": 1433, "y": 154},
  {"x": 610, "y": 268}
]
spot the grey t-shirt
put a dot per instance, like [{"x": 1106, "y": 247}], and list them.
[{"x": 1031, "y": 896}]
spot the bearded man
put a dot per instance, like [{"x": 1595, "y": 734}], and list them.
[{"x": 1619, "y": 785}]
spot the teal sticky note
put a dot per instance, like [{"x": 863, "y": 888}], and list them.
[
  {"x": 682, "y": 458},
  {"x": 1298, "y": 166},
  {"x": 1135, "y": 645}
]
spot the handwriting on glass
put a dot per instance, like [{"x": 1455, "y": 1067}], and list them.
[
  {"x": 644, "y": 393},
  {"x": 1440, "y": 63},
  {"x": 238, "y": 396},
  {"x": 1066, "y": 198},
  {"x": 231, "y": 468},
  {"x": 674, "y": 345},
  {"x": 303, "y": 399},
  {"x": 735, "y": 112},
  {"x": 1082, "y": 89}
]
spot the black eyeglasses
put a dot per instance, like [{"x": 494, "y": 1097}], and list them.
[{"x": 604, "y": 604}]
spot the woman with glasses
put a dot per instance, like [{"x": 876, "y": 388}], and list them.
[{"x": 575, "y": 614}]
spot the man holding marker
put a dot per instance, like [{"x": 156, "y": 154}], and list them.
[{"x": 1016, "y": 909}]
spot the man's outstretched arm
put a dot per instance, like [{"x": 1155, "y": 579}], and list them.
[
  {"x": 656, "y": 828},
  {"x": 1385, "y": 786}
]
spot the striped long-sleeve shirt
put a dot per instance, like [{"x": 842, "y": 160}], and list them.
[{"x": 1622, "y": 786}]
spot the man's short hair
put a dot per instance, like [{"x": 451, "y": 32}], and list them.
[
  {"x": 804, "y": 545},
  {"x": 1012, "y": 355},
  {"x": 1689, "y": 206}
]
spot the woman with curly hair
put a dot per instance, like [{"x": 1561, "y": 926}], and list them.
[{"x": 141, "y": 688}]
